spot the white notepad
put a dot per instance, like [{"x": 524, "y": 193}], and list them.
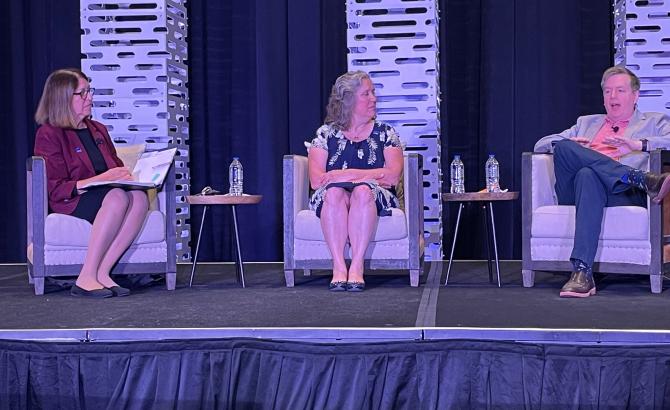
[{"x": 149, "y": 172}]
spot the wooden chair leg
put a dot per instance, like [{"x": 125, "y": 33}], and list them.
[
  {"x": 171, "y": 280},
  {"x": 288, "y": 276},
  {"x": 528, "y": 278},
  {"x": 414, "y": 277},
  {"x": 39, "y": 285},
  {"x": 656, "y": 282}
]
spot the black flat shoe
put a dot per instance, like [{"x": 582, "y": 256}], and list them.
[
  {"x": 339, "y": 286},
  {"x": 119, "y": 291},
  {"x": 355, "y": 286},
  {"x": 95, "y": 293}
]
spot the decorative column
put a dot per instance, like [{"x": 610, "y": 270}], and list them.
[
  {"x": 396, "y": 42},
  {"x": 641, "y": 31},
  {"x": 135, "y": 53}
]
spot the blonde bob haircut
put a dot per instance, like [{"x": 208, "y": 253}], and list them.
[
  {"x": 618, "y": 69},
  {"x": 55, "y": 106},
  {"x": 342, "y": 99}
]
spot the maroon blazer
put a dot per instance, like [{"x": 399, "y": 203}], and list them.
[{"x": 67, "y": 161}]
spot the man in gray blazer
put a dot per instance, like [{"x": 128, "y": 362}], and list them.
[{"x": 601, "y": 161}]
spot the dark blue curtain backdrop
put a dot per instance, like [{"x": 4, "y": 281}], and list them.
[
  {"x": 259, "y": 78},
  {"x": 260, "y": 73},
  {"x": 512, "y": 72},
  {"x": 36, "y": 37}
]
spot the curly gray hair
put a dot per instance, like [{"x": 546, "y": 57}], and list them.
[{"x": 342, "y": 98}]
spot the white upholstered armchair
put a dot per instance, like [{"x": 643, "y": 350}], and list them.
[
  {"x": 57, "y": 243},
  {"x": 398, "y": 241},
  {"x": 630, "y": 242}
]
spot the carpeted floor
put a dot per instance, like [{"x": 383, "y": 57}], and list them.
[
  {"x": 621, "y": 302},
  {"x": 216, "y": 301}
]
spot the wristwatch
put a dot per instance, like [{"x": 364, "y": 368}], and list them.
[{"x": 645, "y": 146}]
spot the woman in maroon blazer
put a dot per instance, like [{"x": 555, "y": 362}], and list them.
[{"x": 78, "y": 151}]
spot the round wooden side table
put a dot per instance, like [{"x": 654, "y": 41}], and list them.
[
  {"x": 232, "y": 201},
  {"x": 487, "y": 198}
]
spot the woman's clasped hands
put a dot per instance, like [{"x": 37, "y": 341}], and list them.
[{"x": 356, "y": 176}]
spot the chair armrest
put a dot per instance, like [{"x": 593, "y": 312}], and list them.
[
  {"x": 538, "y": 179},
  {"x": 537, "y": 189},
  {"x": 413, "y": 191},
  {"x": 657, "y": 160},
  {"x": 413, "y": 186},
  {"x": 166, "y": 192},
  {"x": 166, "y": 198},
  {"x": 169, "y": 193},
  {"x": 296, "y": 198},
  {"x": 296, "y": 184},
  {"x": 37, "y": 205}
]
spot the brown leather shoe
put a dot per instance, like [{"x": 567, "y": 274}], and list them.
[
  {"x": 658, "y": 186},
  {"x": 580, "y": 285}
]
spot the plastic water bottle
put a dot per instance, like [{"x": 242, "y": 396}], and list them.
[
  {"x": 457, "y": 176},
  {"x": 492, "y": 174},
  {"x": 235, "y": 177}
]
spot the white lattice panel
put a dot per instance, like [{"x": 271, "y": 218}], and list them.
[
  {"x": 135, "y": 53},
  {"x": 642, "y": 42},
  {"x": 396, "y": 42}
]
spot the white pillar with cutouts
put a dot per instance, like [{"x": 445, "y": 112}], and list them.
[
  {"x": 135, "y": 53},
  {"x": 642, "y": 44},
  {"x": 396, "y": 42}
]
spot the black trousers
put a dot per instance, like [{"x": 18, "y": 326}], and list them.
[{"x": 591, "y": 181}]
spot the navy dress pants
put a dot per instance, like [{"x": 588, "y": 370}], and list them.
[{"x": 591, "y": 181}]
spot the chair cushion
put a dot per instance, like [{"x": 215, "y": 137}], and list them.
[
  {"x": 619, "y": 223},
  {"x": 611, "y": 251},
  {"x": 308, "y": 226},
  {"x": 129, "y": 154},
  {"x": 66, "y": 230},
  {"x": 400, "y": 191}
]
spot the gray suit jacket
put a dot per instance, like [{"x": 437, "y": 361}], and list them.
[{"x": 653, "y": 126}]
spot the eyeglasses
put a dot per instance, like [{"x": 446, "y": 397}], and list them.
[
  {"x": 208, "y": 190},
  {"x": 85, "y": 92}
]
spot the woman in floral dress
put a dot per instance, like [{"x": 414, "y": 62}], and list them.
[{"x": 354, "y": 164}]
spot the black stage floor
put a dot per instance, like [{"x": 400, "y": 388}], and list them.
[{"x": 623, "y": 311}]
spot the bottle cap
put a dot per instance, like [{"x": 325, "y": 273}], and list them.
[
  {"x": 457, "y": 156},
  {"x": 491, "y": 155},
  {"x": 236, "y": 158}
]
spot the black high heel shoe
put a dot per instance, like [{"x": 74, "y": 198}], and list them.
[
  {"x": 338, "y": 286},
  {"x": 355, "y": 286}
]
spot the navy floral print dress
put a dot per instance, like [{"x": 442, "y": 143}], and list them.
[{"x": 366, "y": 154}]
